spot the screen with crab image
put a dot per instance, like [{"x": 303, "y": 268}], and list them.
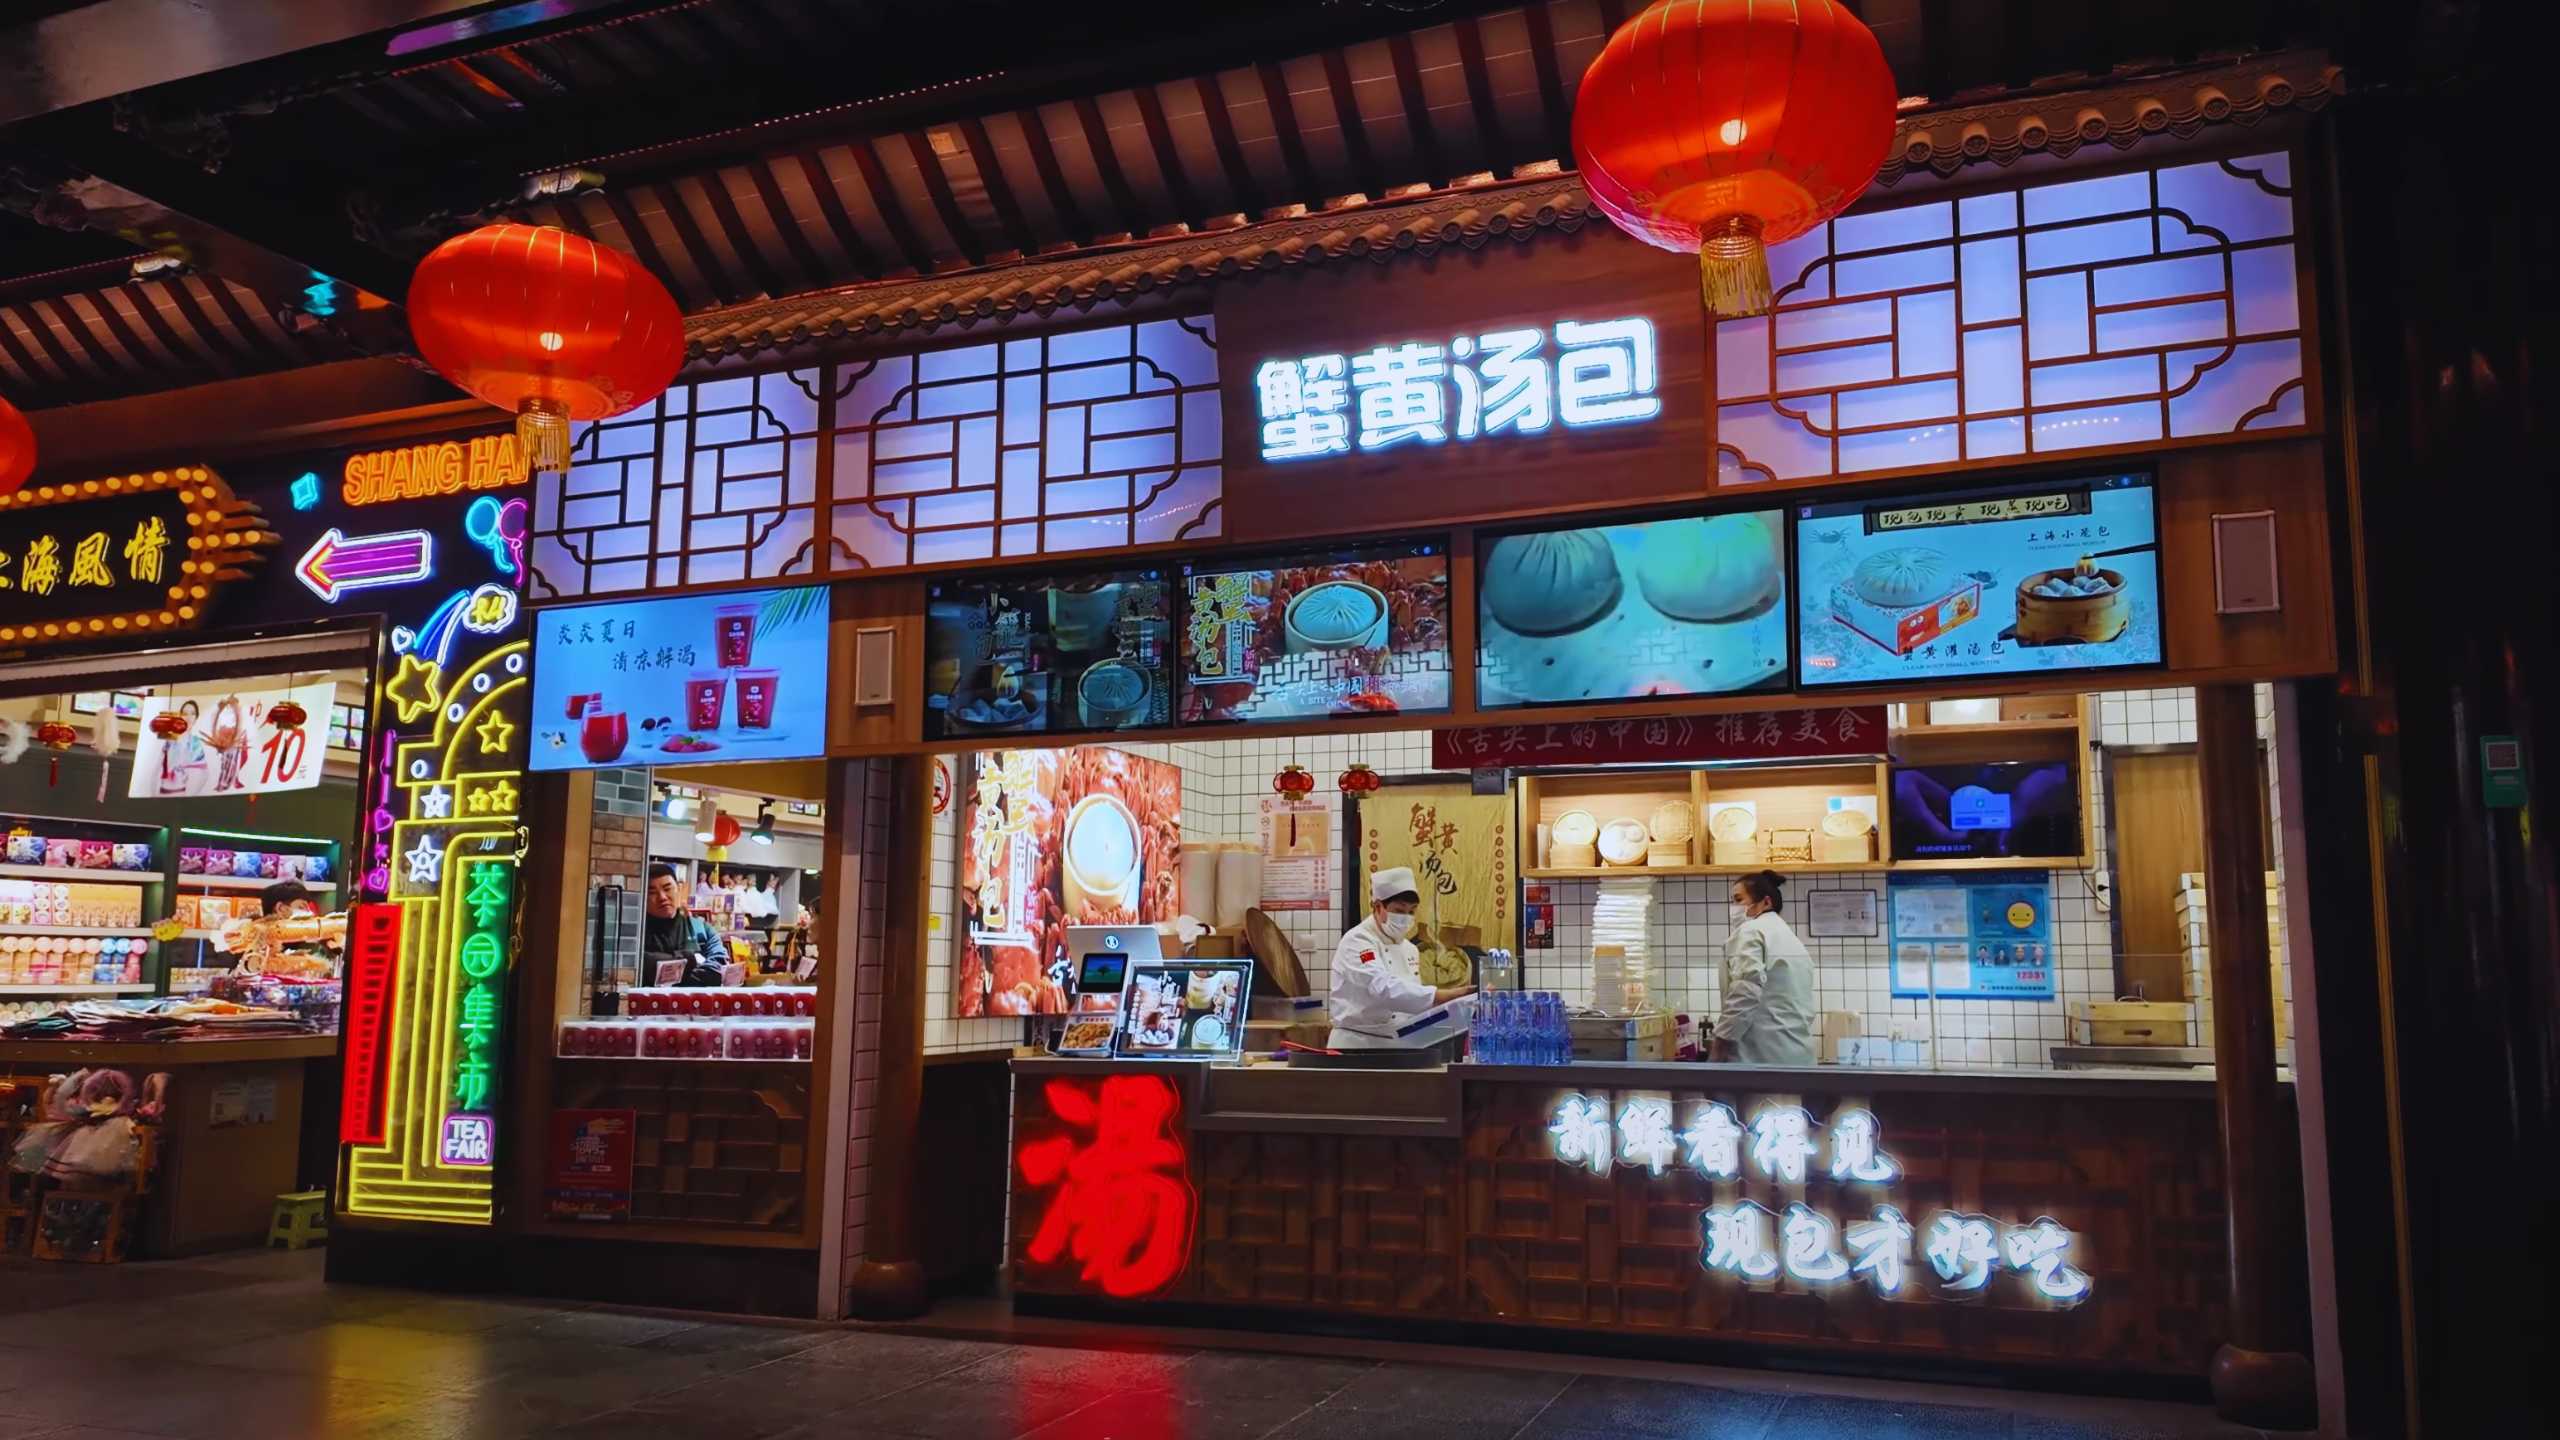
[
  {"x": 1053, "y": 838},
  {"x": 731, "y": 675},
  {"x": 2032, "y": 578},
  {"x": 1355, "y": 632}
]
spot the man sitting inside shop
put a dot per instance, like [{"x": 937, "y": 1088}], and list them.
[{"x": 675, "y": 933}]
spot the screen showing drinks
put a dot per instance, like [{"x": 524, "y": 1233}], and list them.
[
  {"x": 1185, "y": 1009},
  {"x": 734, "y": 675},
  {"x": 2024, "y": 579},
  {"x": 1355, "y": 632},
  {"x": 1049, "y": 657},
  {"x": 1985, "y": 812},
  {"x": 1694, "y": 606}
]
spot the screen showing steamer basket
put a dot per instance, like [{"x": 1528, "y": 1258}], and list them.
[
  {"x": 1049, "y": 655},
  {"x": 1695, "y": 605},
  {"x": 1361, "y": 631},
  {"x": 2038, "y": 577}
]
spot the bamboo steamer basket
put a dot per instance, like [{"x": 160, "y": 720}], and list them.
[{"x": 2093, "y": 619}]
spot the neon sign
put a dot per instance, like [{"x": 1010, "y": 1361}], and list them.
[
  {"x": 1124, "y": 1207},
  {"x": 420, "y": 472},
  {"x": 488, "y": 899},
  {"x": 1601, "y": 373},
  {"x": 122, "y": 555},
  {"x": 1783, "y": 1147},
  {"x": 373, "y": 963},
  {"x": 336, "y": 563}
]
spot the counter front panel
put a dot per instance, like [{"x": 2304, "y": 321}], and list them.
[{"x": 2067, "y": 1223}]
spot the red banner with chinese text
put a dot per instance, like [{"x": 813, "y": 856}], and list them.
[{"x": 1823, "y": 732}]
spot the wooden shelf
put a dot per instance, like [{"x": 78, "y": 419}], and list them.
[
  {"x": 72, "y": 873},
  {"x": 1997, "y": 727},
  {"x": 89, "y": 931},
  {"x": 84, "y": 989},
  {"x": 2001, "y": 862},
  {"x": 1673, "y": 872},
  {"x": 247, "y": 882}
]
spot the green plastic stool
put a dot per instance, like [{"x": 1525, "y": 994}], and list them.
[{"x": 301, "y": 1220}]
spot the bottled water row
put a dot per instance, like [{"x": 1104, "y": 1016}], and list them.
[{"x": 1522, "y": 1027}]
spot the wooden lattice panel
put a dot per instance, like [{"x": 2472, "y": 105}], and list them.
[
  {"x": 720, "y": 1143},
  {"x": 1339, "y": 1222}
]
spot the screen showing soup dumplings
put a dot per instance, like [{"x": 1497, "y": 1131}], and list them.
[
  {"x": 1691, "y": 606},
  {"x": 2058, "y": 575},
  {"x": 1354, "y": 632}
]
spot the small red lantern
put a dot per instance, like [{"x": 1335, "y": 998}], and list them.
[
  {"x": 168, "y": 724},
  {"x": 1722, "y": 127},
  {"x": 1294, "y": 781},
  {"x": 287, "y": 715},
  {"x": 56, "y": 737},
  {"x": 547, "y": 324},
  {"x": 1359, "y": 780},
  {"x": 17, "y": 448},
  {"x": 725, "y": 830}
]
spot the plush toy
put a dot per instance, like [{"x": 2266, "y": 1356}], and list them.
[{"x": 91, "y": 1132}]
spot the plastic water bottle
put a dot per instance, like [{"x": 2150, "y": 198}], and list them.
[
  {"x": 1485, "y": 1040},
  {"x": 1558, "y": 1036}
]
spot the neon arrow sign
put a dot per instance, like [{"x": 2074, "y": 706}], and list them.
[{"x": 336, "y": 564}]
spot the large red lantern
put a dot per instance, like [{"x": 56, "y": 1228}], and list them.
[
  {"x": 1722, "y": 127},
  {"x": 17, "y": 448},
  {"x": 546, "y": 324}
]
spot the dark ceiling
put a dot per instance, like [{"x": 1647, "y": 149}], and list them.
[{"x": 756, "y": 148}]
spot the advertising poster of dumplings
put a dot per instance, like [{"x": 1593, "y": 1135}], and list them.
[
  {"x": 1667, "y": 607},
  {"x": 1356, "y": 636},
  {"x": 731, "y": 675},
  {"x": 233, "y": 743},
  {"x": 1053, "y": 838},
  {"x": 2020, "y": 580},
  {"x": 1458, "y": 845},
  {"x": 1090, "y": 653}
]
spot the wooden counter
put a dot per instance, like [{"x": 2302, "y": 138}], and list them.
[
  {"x": 1468, "y": 1198},
  {"x": 231, "y": 1140}
]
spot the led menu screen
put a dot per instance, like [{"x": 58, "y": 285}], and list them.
[
  {"x": 1354, "y": 632},
  {"x": 1691, "y": 606},
  {"x": 730, "y": 675},
  {"x": 1042, "y": 656},
  {"x": 1185, "y": 1009},
  {"x": 2053, "y": 575}
]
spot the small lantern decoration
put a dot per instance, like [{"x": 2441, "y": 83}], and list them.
[
  {"x": 17, "y": 448},
  {"x": 1359, "y": 780},
  {"x": 547, "y": 324},
  {"x": 1294, "y": 782},
  {"x": 168, "y": 724},
  {"x": 287, "y": 715},
  {"x": 1721, "y": 127},
  {"x": 56, "y": 737}
]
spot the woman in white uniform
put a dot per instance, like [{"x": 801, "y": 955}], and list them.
[
  {"x": 1768, "y": 982},
  {"x": 1377, "y": 972}
]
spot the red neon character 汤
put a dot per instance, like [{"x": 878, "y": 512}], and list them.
[{"x": 1124, "y": 1203}]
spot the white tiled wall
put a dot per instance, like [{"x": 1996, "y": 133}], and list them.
[{"x": 1224, "y": 782}]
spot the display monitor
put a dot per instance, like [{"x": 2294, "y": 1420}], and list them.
[
  {"x": 1689, "y": 606},
  {"x": 1185, "y": 1009},
  {"x": 2003, "y": 810},
  {"x": 2032, "y": 578},
  {"x": 1353, "y": 632},
  {"x": 1048, "y": 655},
  {"x": 730, "y": 675}
]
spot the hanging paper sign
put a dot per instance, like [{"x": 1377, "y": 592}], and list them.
[
  {"x": 234, "y": 742},
  {"x": 1297, "y": 854},
  {"x": 123, "y": 555},
  {"x": 1678, "y": 739}
]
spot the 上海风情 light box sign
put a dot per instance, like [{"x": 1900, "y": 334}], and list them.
[{"x": 1467, "y": 385}]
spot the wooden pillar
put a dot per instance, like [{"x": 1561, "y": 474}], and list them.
[
  {"x": 2261, "y": 1376},
  {"x": 889, "y": 1282}
]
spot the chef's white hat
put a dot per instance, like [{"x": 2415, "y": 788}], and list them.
[{"x": 1390, "y": 883}]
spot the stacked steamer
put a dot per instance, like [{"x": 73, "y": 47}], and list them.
[
  {"x": 1574, "y": 841},
  {"x": 1673, "y": 826},
  {"x": 1847, "y": 837},
  {"x": 2197, "y": 940},
  {"x": 1733, "y": 833}
]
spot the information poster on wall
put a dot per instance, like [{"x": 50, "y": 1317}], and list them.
[
  {"x": 1841, "y": 914},
  {"x": 232, "y": 742},
  {"x": 591, "y": 1164},
  {"x": 1984, "y": 936},
  {"x": 1053, "y": 838},
  {"x": 1297, "y": 854},
  {"x": 1458, "y": 845}
]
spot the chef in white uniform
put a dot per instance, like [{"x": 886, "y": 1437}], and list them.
[
  {"x": 1377, "y": 972},
  {"x": 1768, "y": 981}
]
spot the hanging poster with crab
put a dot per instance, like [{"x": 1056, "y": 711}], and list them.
[
  {"x": 1355, "y": 632},
  {"x": 1053, "y": 838}
]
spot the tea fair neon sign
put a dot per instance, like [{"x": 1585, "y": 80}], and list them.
[
  {"x": 1783, "y": 1145},
  {"x": 1504, "y": 381}
]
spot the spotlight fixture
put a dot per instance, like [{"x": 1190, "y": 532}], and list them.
[
  {"x": 763, "y": 833},
  {"x": 671, "y": 804},
  {"x": 707, "y": 828}
]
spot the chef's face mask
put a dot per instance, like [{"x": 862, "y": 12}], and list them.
[{"x": 1396, "y": 925}]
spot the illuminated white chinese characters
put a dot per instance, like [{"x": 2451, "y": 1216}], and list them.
[
  {"x": 1804, "y": 1242},
  {"x": 1522, "y": 382}
]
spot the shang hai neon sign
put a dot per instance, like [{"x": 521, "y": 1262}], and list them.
[
  {"x": 1519, "y": 382},
  {"x": 1783, "y": 1148}
]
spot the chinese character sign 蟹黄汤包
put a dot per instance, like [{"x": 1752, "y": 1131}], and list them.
[
  {"x": 1523, "y": 381},
  {"x": 1863, "y": 1235}
]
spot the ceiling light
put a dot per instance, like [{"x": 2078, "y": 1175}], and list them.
[
  {"x": 708, "y": 827},
  {"x": 763, "y": 833}
]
